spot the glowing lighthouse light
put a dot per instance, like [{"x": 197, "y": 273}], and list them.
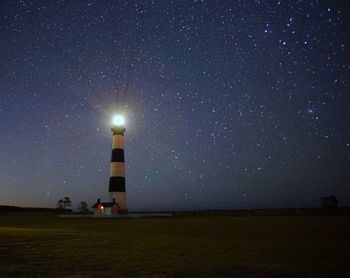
[{"x": 118, "y": 120}]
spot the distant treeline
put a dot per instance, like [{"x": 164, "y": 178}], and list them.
[
  {"x": 264, "y": 212},
  {"x": 20, "y": 209},
  {"x": 235, "y": 212}
]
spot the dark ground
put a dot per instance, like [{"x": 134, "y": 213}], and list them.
[{"x": 202, "y": 245}]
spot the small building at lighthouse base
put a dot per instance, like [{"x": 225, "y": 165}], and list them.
[{"x": 107, "y": 209}]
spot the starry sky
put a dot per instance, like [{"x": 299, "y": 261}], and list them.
[{"x": 228, "y": 104}]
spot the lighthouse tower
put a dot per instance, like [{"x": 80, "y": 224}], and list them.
[
  {"x": 116, "y": 191},
  {"x": 117, "y": 170}
]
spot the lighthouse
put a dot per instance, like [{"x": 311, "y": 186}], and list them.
[{"x": 116, "y": 188}]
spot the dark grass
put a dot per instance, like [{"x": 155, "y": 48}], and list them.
[{"x": 39, "y": 245}]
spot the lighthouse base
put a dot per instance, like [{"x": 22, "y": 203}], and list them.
[
  {"x": 119, "y": 198},
  {"x": 108, "y": 209}
]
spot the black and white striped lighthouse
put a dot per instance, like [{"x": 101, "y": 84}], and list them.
[{"x": 117, "y": 171}]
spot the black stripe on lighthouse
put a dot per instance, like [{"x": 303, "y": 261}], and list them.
[
  {"x": 117, "y": 155},
  {"x": 117, "y": 184}
]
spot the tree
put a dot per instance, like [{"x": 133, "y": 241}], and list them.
[
  {"x": 67, "y": 202},
  {"x": 329, "y": 203},
  {"x": 83, "y": 207},
  {"x": 60, "y": 204},
  {"x": 64, "y": 203}
]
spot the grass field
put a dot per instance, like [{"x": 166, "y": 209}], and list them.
[{"x": 39, "y": 245}]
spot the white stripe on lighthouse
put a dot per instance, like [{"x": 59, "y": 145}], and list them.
[
  {"x": 118, "y": 142},
  {"x": 113, "y": 195},
  {"x": 117, "y": 169},
  {"x": 120, "y": 198}
]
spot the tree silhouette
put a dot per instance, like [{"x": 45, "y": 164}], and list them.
[
  {"x": 67, "y": 202},
  {"x": 64, "y": 203},
  {"x": 329, "y": 203},
  {"x": 83, "y": 207},
  {"x": 60, "y": 204}
]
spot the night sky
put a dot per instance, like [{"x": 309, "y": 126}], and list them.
[{"x": 228, "y": 104}]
